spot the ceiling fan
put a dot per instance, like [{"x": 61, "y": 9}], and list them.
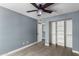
[{"x": 41, "y": 8}]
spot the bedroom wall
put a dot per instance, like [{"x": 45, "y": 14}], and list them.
[{"x": 16, "y": 30}]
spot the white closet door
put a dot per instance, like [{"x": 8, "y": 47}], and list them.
[
  {"x": 53, "y": 32},
  {"x": 39, "y": 30},
  {"x": 60, "y": 33},
  {"x": 69, "y": 33}
]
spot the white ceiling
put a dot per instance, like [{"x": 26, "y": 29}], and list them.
[{"x": 60, "y": 8}]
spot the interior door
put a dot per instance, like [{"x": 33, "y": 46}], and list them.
[
  {"x": 39, "y": 31},
  {"x": 53, "y": 27},
  {"x": 60, "y": 33},
  {"x": 69, "y": 33}
]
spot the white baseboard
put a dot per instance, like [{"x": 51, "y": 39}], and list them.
[
  {"x": 75, "y": 51},
  {"x": 46, "y": 44},
  {"x": 6, "y": 54}
]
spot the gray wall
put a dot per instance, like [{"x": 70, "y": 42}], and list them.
[
  {"x": 15, "y": 29},
  {"x": 75, "y": 24}
]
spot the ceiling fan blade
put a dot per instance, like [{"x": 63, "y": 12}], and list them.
[
  {"x": 32, "y": 10},
  {"x": 47, "y": 4},
  {"x": 48, "y": 11},
  {"x": 35, "y": 5}
]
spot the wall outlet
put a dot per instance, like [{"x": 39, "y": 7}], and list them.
[{"x": 25, "y": 43}]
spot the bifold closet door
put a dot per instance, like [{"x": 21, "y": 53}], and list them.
[
  {"x": 60, "y": 33},
  {"x": 69, "y": 33},
  {"x": 53, "y": 30}
]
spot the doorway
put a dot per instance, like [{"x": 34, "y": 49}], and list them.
[
  {"x": 61, "y": 33},
  {"x": 39, "y": 32}
]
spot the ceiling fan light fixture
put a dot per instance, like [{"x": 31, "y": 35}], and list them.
[
  {"x": 39, "y": 12},
  {"x": 41, "y": 8}
]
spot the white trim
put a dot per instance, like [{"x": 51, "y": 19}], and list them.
[
  {"x": 46, "y": 44},
  {"x": 74, "y": 51},
  {"x": 6, "y": 54}
]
